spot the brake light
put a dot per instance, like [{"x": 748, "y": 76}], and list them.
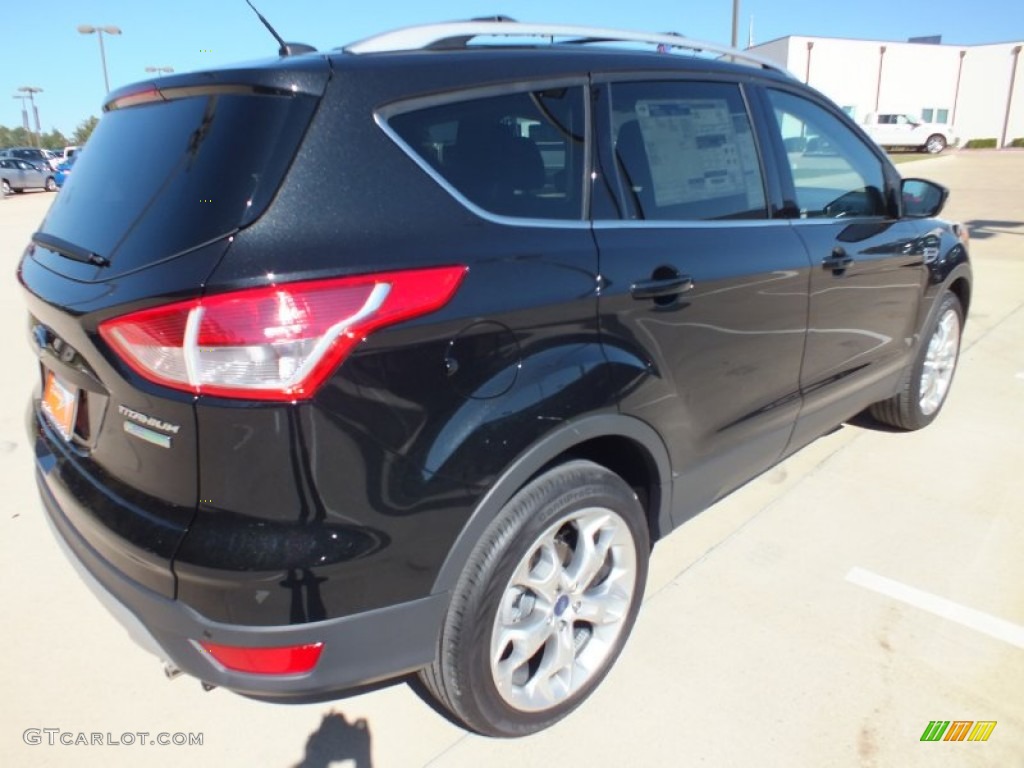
[
  {"x": 142, "y": 96},
  {"x": 278, "y": 342}
]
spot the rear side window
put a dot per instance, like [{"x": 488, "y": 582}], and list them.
[
  {"x": 685, "y": 151},
  {"x": 518, "y": 154}
]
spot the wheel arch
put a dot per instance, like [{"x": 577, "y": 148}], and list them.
[
  {"x": 961, "y": 287},
  {"x": 625, "y": 445}
]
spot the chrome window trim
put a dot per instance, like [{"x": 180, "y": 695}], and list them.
[{"x": 689, "y": 223}]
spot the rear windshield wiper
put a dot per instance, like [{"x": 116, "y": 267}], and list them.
[{"x": 70, "y": 250}]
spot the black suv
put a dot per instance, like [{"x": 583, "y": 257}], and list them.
[{"x": 401, "y": 356}]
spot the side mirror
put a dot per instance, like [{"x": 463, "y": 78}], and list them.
[{"x": 923, "y": 199}]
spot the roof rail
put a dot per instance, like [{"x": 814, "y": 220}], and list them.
[{"x": 456, "y": 34}]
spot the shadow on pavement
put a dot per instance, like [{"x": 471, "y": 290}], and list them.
[
  {"x": 865, "y": 420},
  {"x": 417, "y": 686},
  {"x": 982, "y": 229},
  {"x": 338, "y": 740}
]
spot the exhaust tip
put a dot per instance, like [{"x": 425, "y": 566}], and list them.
[{"x": 171, "y": 670}]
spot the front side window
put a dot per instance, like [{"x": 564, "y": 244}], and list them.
[
  {"x": 685, "y": 151},
  {"x": 835, "y": 174},
  {"x": 518, "y": 154}
]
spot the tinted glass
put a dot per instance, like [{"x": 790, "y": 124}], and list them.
[
  {"x": 518, "y": 154},
  {"x": 685, "y": 151},
  {"x": 163, "y": 177},
  {"x": 835, "y": 173}
]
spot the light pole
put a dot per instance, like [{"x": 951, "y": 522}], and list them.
[
  {"x": 32, "y": 90},
  {"x": 735, "y": 22},
  {"x": 160, "y": 70},
  {"x": 878, "y": 88},
  {"x": 24, "y": 112},
  {"x": 85, "y": 29},
  {"x": 1009, "y": 96},
  {"x": 956, "y": 94}
]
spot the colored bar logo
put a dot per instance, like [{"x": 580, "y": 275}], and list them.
[{"x": 958, "y": 730}]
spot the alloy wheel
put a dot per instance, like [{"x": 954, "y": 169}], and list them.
[
  {"x": 940, "y": 362},
  {"x": 563, "y": 610}
]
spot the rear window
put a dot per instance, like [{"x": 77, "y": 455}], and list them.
[
  {"x": 163, "y": 177},
  {"x": 518, "y": 154}
]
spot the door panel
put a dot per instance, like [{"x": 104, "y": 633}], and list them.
[
  {"x": 701, "y": 292},
  {"x": 867, "y": 275},
  {"x": 864, "y": 295}
]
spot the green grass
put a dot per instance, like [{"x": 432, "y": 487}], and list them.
[{"x": 908, "y": 157}]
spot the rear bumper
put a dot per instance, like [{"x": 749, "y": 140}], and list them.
[{"x": 358, "y": 649}]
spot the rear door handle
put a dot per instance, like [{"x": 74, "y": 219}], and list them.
[
  {"x": 661, "y": 287},
  {"x": 838, "y": 261}
]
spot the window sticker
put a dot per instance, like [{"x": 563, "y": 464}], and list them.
[{"x": 692, "y": 150}]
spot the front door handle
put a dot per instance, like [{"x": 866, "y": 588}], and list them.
[
  {"x": 660, "y": 288},
  {"x": 838, "y": 261}
]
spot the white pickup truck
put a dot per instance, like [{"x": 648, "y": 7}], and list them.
[{"x": 892, "y": 130}]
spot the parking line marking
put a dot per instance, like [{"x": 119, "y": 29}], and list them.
[{"x": 987, "y": 624}]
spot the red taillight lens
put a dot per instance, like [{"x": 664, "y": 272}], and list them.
[
  {"x": 286, "y": 660},
  {"x": 273, "y": 343}
]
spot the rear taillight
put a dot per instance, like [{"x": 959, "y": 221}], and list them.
[{"x": 277, "y": 342}]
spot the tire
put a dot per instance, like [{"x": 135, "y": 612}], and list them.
[
  {"x": 6, "y": 187},
  {"x": 51, "y": 185},
  {"x": 935, "y": 144},
  {"x": 516, "y": 652},
  {"x": 927, "y": 381}
]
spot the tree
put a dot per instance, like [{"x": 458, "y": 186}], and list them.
[
  {"x": 15, "y": 137},
  {"x": 54, "y": 140},
  {"x": 84, "y": 130}
]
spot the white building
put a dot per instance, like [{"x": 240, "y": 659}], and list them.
[{"x": 977, "y": 88}]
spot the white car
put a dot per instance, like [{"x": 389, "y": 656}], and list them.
[{"x": 892, "y": 130}]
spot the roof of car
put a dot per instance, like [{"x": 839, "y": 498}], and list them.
[
  {"x": 502, "y": 31},
  {"x": 434, "y": 56},
  {"x": 425, "y": 70}
]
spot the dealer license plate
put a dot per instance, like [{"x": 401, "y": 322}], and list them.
[{"x": 60, "y": 404}]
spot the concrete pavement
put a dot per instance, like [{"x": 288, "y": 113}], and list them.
[{"x": 822, "y": 615}]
